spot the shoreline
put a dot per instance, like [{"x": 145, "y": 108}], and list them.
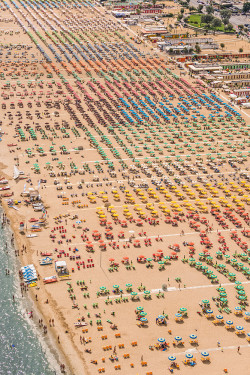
[{"x": 57, "y": 350}]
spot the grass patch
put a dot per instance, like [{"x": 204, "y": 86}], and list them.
[{"x": 195, "y": 20}]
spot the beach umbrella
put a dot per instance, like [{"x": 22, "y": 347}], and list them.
[
  {"x": 143, "y": 313},
  {"x": 102, "y": 287},
  {"x": 178, "y": 338},
  {"x": 205, "y": 354},
  {"x": 209, "y": 311},
  {"x": 219, "y": 317},
  {"x": 161, "y": 339},
  {"x": 221, "y": 289},
  {"x": 172, "y": 358},
  {"x": 134, "y": 294},
  {"x": 193, "y": 337},
  {"x": 128, "y": 285},
  {"x": 183, "y": 309},
  {"x": 161, "y": 317},
  {"x": 240, "y": 287},
  {"x": 189, "y": 355},
  {"x": 229, "y": 322},
  {"x": 205, "y": 301},
  {"x": 144, "y": 320},
  {"x": 238, "y": 308},
  {"x": 140, "y": 308},
  {"x": 239, "y": 328}
]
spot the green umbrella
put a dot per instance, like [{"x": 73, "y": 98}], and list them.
[
  {"x": 223, "y": 300},
  {"x": 221, "y": 289},
  {"x": 205, "y": 301},
  {"x": 183, "y": 309},
  {"x": 242, "y": 298},
  {"x": 140, "y": 308},
  {"x": 223, "y": 294},
  {"x": 147, "y": 292}
]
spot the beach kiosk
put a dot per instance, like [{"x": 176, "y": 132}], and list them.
[{"x": 61, "y": 268}]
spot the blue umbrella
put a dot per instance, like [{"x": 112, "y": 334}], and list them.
[
  {"x": 229, "y": 322},
  {"x": 239, "y": 328},
  {"x": 161, "y": 317},
  {"x": 178, "y": 315},
  {"x": 143, "y": 319},
  {"x": 193, "y": 337},
  {"x": 172, "y": 358},
  {"x": 205, "y": 354},
  {"x": 178, "y": 338},
  {"x": 219, "y": 317},
  {"x": 209, "y": 311},
  {"x": 161, "y": 339},
  {"x": 189, "y": 355},
  {"x": 247, "y": 313},
  {"x": 238, "y": 308}
]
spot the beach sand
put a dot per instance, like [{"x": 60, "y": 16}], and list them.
[{"x": 194, "y": 285}]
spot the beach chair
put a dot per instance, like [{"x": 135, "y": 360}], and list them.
[
  {"x": 205, "y": 359},
  {"x": 143, "y": 363}
]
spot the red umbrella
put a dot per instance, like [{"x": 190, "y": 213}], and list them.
[
  {"x": 126, "y": 258},
  {"x": 111, "y": 259},
  {"x": 173, "y": 253}
]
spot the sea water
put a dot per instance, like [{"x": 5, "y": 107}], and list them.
[{"x": 23, "y": 351}]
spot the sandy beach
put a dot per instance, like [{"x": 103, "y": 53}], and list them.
[{"x": 136, "y": 177}]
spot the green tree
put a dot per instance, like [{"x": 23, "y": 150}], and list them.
[
  {"x": 207, "y": 18},
  {"x": 246, "y": 7},
  {"x": 225, "y": 16},
  {"x": 154, "y": 2},
  {"x": 197, "y": 48},
  {"x": 240, "y": 50},
  {"x": 191, "y": 8},
  {"x": 230, "y": 27},
  {"x": 216, "y": 23},
  {"x": 222, "y": 45},
  {"x": 209, "y": 9},
  {"x": 200, "y": 7},
  {"x": 182, "y": 10}
]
